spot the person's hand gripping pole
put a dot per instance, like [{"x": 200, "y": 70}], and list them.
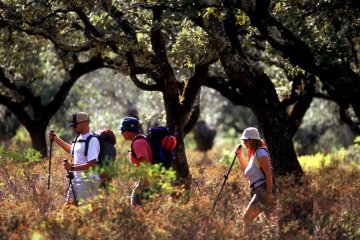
[{"x": 70, "y": 175}]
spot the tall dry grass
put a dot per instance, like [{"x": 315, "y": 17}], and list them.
[{"x": 324, "y": 206}]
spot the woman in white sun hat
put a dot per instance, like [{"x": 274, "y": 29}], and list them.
[{"x": 258, "y": 172}]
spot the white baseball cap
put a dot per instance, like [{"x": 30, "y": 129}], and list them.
[{"x": 250, "y": 133}]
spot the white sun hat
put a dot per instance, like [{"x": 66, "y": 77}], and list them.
[{"x": 250, "y": 133}]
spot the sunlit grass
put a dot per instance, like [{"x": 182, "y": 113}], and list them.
[
  {"x": 314, "y": 161},
  {"x": 344, "y": 158}
]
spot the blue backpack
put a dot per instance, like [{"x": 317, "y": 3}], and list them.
[{"x": 157, "y": 137}]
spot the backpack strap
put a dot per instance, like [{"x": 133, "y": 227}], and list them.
[
  {"x": 86, "y": 141},
  {"x": 258, "y": 165},
  {"x": 136, "y": 138},
  {"x": 73, "y": 143},
  {"x": 256, "y": 161}
]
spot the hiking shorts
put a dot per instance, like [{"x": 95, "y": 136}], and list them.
[
  {"x": 258, "y": 199},
  {"x": 83, "y": 190}
]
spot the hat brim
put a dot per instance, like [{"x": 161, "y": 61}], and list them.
[
  {"x": 243, "y": 138},
  {"x": 129, "y": 130},
  {"x": 249, "y": 138}
]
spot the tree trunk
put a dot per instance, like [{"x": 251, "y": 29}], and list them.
[
  {"x": 278, "y": 137},
  {"x": 37, "y": 133},
  {"x": 181, "y": 165},
  {"x": 176, "y": 121},
  {"x": 261, "y": 97}
]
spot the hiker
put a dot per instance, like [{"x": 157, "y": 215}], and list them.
[
  {"x": 85, "y": 183},
  {"x": 259, "y": 174},
  {"x": 130, "y": 130}
]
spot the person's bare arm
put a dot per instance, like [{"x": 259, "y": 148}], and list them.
[
  {"x": 264, "y": 163},
  {"x": 64, "y": 145}
]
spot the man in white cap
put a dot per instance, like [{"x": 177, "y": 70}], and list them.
[{"x": 85, "y": 183}]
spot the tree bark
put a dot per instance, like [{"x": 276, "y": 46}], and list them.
[
  {"x": 261, "y": 97},
  {"x": 38, "y": 137}
]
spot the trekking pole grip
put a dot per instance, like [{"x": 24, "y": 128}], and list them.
[
  {"x": 65, "y": 161},
  {"x": 70, "y": 174},
  {"x": 52, "y": 132}
]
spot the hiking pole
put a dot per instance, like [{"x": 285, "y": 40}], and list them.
[
  {"x": 223, "y": 184},
  {"x": 70, "y": 175},
  {"x": 50, "y": 153}
]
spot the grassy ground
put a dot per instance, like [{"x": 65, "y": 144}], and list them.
[{"x": 325, "y": 206}]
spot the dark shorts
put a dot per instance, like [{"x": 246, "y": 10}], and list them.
[{"x": 258, "y": 199}]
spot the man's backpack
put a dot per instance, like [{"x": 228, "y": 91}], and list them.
[
  {"x": 107, "y": 141},
  {"x": 162, "y": 145}
]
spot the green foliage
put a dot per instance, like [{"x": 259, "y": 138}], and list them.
[
  {"x": 242, "y": 18},
  {"x": 189, "y": 38},
  {"x": 317, "y": 25},
  {"x": 21, "y": 156},
  {"x": 350, "y": 224},
  {"x": 357, "y": 143},
  {"x": 157, "y": 176},
  {"x": 326, "y": 26},
  {"x": 32, "y": 62},
  {"x": 227, "y": 157},
  {"x": 314, "y": 161}
]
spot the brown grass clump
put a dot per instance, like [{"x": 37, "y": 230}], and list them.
[{"x": 325, "y": 205}]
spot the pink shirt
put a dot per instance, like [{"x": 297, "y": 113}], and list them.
[{"x": 142, "y": 148}]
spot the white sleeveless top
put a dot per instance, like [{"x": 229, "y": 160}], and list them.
[{"x": 252, "y": 171}]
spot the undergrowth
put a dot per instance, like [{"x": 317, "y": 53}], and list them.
[{"x": 324, "y": 205}]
